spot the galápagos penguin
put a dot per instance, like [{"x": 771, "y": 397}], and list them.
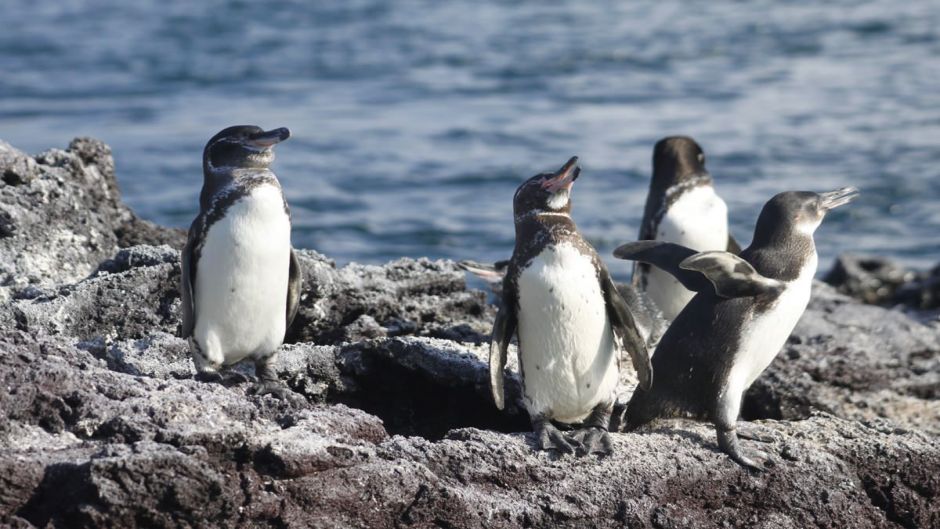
[
  {"x": 240, "y": 282},
  {"x": 742, "y": 314},
  {"x": 571, "y": 322},
  {"x": 682, "y": 207}
]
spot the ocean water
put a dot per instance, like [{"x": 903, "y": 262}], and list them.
[{"x": 414, "y": 121}]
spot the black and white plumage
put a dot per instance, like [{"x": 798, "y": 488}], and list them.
[
  {"x": 646, "y": 315},
  {"x": 571, "y": 322},
  {"x": 240, "y": 280},
  {"x": 682, "y": 207},
  {"x": 743, "y": 311}
]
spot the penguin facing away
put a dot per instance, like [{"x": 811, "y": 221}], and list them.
[
  {"x": 743, "y": 312},
  {"x": 558, "y": 298},
  {"x": 240, "y": 281},
  {"x": 682, "y": 207}
]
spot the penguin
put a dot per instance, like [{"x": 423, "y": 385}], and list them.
[
  {"x": 240, "y": 281},
  {"x": 744, "y": 309},
  {"x": 682, "y": 207},
  {"x": 558, "y": 298}
]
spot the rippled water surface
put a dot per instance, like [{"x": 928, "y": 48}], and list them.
[{"x": 414, "y": 121}]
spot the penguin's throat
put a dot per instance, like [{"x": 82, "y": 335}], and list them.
[{"x": 558, "y": 200}]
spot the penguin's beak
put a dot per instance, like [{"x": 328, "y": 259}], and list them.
[
  {"x": 269, "y": 138},
  {"x": 564, "y": 178},
  {"x": 839, "y": 197}
]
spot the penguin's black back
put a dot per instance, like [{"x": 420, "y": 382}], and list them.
[
  {"x": 676, "y": 160},
  {"x": 706, "y": 337},
  {"x": 697, "y": 349}
]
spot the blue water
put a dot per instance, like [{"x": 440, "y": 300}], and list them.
[{"x": 414, "y": 121}]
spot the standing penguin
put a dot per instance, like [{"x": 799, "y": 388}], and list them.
[
  {"x": 683, "y": 208},
  {"x": 559, "y": 299},
  {"x": 240, "y": 279},
  {"x": 742, "y": 314}
]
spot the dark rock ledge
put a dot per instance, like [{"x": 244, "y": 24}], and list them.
[{"x": 102, "y": 424}]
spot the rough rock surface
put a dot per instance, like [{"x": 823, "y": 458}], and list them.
[
  {"x": 882, "y": 281},
  {"x": 61, "y": 214},
  {"x": 101, "y": 423}
]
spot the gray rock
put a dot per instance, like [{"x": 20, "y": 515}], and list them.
[
  {"x": 111, "y": 448},
  {"x": 61, "y": 214},
  {"x": 406, "y": 296},
  {"x": 923, "y": 292},
  {"x": 869, "y": 278},
  {"x": 101, "y": 423},
  {"x": 882, "y": 281}
]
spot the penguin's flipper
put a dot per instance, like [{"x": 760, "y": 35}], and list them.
[
  {"x": 503, "y": 329},
  {"x": 624, "y": 325},
  {"x": 188, "y": 277},
  {"x": 733, "y": 246},
  {"x": 294, "y": 282},
  {"x": 731, "y": 276},
  {"x": 492, "y": 273},
  {"x": 667, "y": 256}
]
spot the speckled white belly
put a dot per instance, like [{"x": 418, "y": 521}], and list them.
[
  {"x": 241, "y": 280},
  {"x": 697, "y": 220},
  {"x": 566, "y": 346}
]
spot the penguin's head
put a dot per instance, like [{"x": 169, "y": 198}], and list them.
[
  {"x": 547, "y": 192},
  {"x": 242, "y": 146},
  {"x": 798, "y": 212},
  {"x": 677, "y": 159}
]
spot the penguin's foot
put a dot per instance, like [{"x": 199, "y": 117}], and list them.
[
  {"x": 728, "y": 442},
  {"x": 594, "y": 440},
  {"x": 275, "y": 388},
  {"x": 229, "y": 379},
  {"x": 752, "y": 432},
  {"x": 208, "y": 376},
  {"x": 234, "y": 378},
  {"x": 268, "y": 383},
  {"x": 618, "y": 418},
  {"x": 548, "y": 437}
]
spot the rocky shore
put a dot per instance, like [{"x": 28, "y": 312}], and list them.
[{"x": 102, "y": 425}]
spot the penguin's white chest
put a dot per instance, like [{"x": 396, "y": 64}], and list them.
[
  {"x": 567, "y": 350},
  {"x": 241, "y": 279},
  {"x": 697, "y": 220},
  {"x": 765, "y": 333}
]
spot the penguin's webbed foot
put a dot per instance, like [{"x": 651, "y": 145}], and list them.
[
  {"x": 275, "y": 388},
  {"x": 268, "y": 383},
  {"x": 210, "y": 376},
  {"x": 594, "y": 440},
  {"x": 550, "y": 438},
  {"x": 728, "y": 442},
  {"x": 232, "y": 378}
]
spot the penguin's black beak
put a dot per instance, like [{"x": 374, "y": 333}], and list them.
[
  {"x": 839, "y": 197},
  {"x": 564, "y": 178},
  {"x": 269, "y": 138}
]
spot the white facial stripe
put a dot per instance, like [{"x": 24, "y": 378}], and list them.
[
  {"x": 258, "y": 148},
  {"x": 541, "y": 214},
  {"x": 558, "y": 200}
]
